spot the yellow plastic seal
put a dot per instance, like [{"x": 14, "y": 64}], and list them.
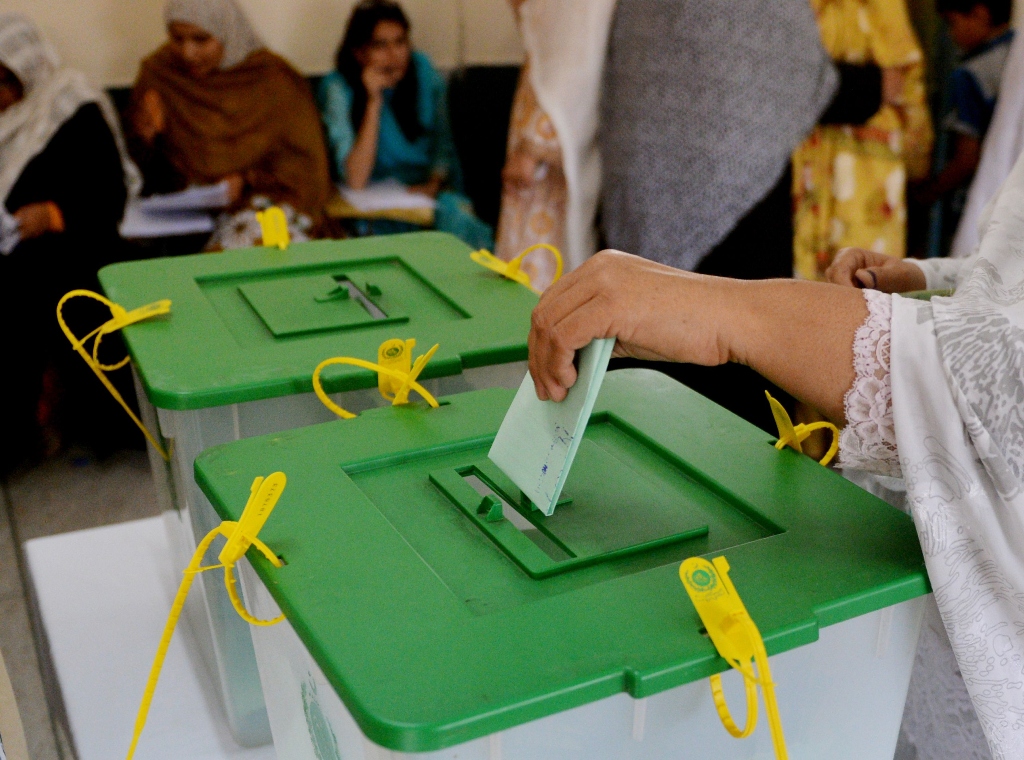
[
  {"x": 396, "y": 374},
  {"x": 274, "y": 228},
  {"x": 793, "y": 436},
  {"x": 737, "y": 640},
  {"x": 263, "y": 496},
  {"x": 511, "y": 269},
  {"x": 120, "y": 317}
]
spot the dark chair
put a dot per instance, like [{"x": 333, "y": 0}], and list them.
[{"x": 480, "y": 105}]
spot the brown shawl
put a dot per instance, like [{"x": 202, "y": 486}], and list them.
[{"x": 257, "y": 118}]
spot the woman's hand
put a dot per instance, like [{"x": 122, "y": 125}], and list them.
[
  {"x": 798, "y": 335},
  {"x": 520, "y": 170},
  {"x": 861, "y": 268},
  {"x": 36, "y": 219},
  {"x": 375, "y": 81},
  {"x": 655, "y": 312},
  {"x": 150, "y": 116}
]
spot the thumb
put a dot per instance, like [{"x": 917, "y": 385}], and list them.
[{"x": 887, "y": 279}]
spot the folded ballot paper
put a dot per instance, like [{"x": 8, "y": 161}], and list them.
[{"x": 538, "y": 440}]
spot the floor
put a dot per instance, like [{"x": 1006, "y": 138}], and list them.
[{"x": 68, "y": 493}]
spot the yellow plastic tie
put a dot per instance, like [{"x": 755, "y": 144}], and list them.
[
  {"x": 737, "y": 640},
  {"x": 790, "y": 435},
  {"x": 511, "y": 270},
  {"x": 120, "y": 317},
  {"x": 396, "y": 374},
  {"x": 263, "y": 496},
  {"x": 274, "y": 228}
]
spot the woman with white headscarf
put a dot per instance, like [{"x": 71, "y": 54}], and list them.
[
  {"x": 932, "y": 391},
  {"x": 213, "y": 104},
  {"x": 64, "y": 181}
]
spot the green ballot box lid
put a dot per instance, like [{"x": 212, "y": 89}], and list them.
[
  {"x": 253, "y": 324},
  {"x": 442, "y": 606}
]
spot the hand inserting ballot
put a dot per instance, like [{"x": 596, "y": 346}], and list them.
[{"x": 798, "y": 335}]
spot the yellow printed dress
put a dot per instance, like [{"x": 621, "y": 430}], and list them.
[{"x": 849, "y": 182}]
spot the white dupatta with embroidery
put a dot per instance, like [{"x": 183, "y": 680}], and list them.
[{"x": 958, "y": 406}]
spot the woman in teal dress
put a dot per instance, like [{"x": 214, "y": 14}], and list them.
[{"x": 385, "y": 110}]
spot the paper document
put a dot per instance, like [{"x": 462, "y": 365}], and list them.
[
  {"x": 386, "y": 195},
  {"x": 139, "y": 223},
  {"x": 538, "y": 440},
  {"x": 183, "y": 213},
  {"x": 195, "y": 198}
]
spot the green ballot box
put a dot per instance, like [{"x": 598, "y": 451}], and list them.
[
  {"x": 431, "y": 609},
  {"x": 235, "y": 358}
]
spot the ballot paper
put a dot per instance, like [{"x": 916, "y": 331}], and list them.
[
  {"x": 138, "y": 223},
  {"x": 194, "y": 198},
  {"x": 538, "y": 440},
  {"x": 386, "y": 195},
  {"x": 183, "y": 213}
]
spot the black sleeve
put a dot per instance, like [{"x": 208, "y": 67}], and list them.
[
  {"x": 858, "y": 97},
  {"x": 87, "y": 180}
]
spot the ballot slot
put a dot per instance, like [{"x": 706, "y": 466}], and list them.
[
  {"x": 315, "y": 303},
  {"x": 491, "y": 511},
  {"x": 622, "y": 498},
  {"x": 303, "y": 302}
]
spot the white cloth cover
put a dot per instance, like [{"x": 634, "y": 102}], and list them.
[
  {"x": 566, "y": 41},
  {"x": 1003, "y": 143},
  {"x": 222, "y": 19},
  {"x": 52, "y": 95},
  {"x": 958, "y": 407}
]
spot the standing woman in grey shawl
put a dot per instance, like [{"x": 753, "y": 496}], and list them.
[
  {"x": 64, "y": 181},
  {"x": 704, "y": 103},
  {"x": 929, "y": 391}
]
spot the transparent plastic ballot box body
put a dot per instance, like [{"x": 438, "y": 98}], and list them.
[
  {"x": 430, "y": 610},
  {"x": 235, "y": 358}
]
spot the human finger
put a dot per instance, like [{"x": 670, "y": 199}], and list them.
[
  {"x": 844, "y": 267},
  {"x": 556, "y": 354},
  {"x": 867, "y": 278}
]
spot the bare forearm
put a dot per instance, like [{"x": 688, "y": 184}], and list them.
[
  {"x": 799, "y": 335},
  {"x": 363, "y": 156}
]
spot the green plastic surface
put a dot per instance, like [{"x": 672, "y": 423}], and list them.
[
  {"x": 438, "y": 621},
  {"x": 253, "y": 324}
]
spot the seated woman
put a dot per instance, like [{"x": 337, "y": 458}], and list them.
[
  {"x": 930, "y": 391},
  {"x": 385, "y": 110},
  {"x": 64, "y": 181},
  {"x": 213, "y": 104}
]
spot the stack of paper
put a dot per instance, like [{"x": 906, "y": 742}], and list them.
[
  {"x": 538, "y": 440},
  {"x": 183, "y": 213},
  {"x": 386, "y": 195}
]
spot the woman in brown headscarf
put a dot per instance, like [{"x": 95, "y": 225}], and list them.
[{"x": 212, "y": 105}]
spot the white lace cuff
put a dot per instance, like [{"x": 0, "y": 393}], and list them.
[
  {"x": 868, "y": 442},
  {"x": 939, "y": 274}
]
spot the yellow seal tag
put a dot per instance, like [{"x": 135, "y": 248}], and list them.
[
  {"x": 274, "y": 228},
  {"x": 263, "y": 496},
  {"x": 793, "y": 436},
  {"x": 737, "y": 640},
  {"x": 511, "y": 269},
  {"x": 396, "y": 374}
]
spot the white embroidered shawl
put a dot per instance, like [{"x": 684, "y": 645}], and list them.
[
  {"x": 566, "y": 43},
  {"x": 958, "y": 406}
]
